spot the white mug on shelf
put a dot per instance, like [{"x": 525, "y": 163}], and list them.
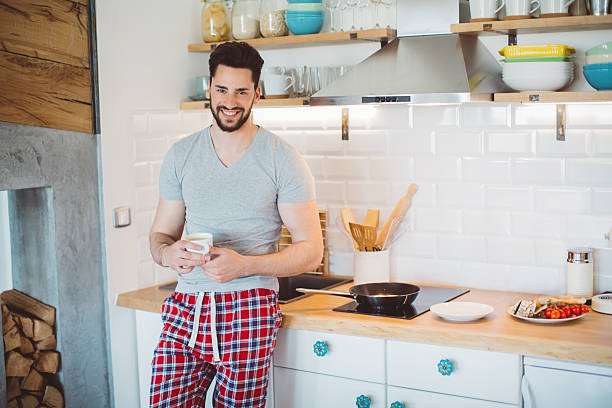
[
  {"x": 552, "y": 8},
  {"x": 485, "y": 10},
  {"x": 277, "y": 85},
  {"x": 516, "y": 9}
]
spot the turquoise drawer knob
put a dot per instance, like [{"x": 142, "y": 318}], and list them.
[
  {"x": 445, "y": 367},
  {"x": 363, "y": 401},
  {"x": 398, "y": 404},
  {"x": 320, "y": 348}
]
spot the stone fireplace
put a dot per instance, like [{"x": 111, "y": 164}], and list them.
[{"x": 55, "y": 215}]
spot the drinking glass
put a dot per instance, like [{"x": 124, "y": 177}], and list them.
[
  {"x": 332, "y": 6},
  {"x": 353, "y": 5},
  {"x": 363, "y": 13},
  {"x": 376, "y": 18}
]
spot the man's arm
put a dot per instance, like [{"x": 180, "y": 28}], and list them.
[
  {"x": 303, "y": 255},
  {"x": 164, "y": 240}
]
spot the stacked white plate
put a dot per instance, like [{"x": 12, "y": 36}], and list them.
[{"x": 538, "y": 76}]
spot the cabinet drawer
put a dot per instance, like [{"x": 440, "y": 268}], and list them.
[
  {"x": 300, "y": 389},
  {"x": 478, "y": 374},
  {"x": 425, "y": 399},
  {"x": 361, "y": 358},
  {"x": 547, "y": 387}
]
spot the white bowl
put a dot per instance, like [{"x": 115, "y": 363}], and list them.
[
  {"x": 598, "y": 58},
  {"x": 551, "y": 81},
  {"x": 541, "y": 67}
]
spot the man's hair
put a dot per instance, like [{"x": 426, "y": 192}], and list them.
[{"x": 236, "y": 55}]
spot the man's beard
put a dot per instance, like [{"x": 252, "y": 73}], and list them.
[{"x": 238, "y": 125}]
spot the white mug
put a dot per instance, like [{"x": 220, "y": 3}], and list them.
[
  {"x": 521, "y": 7},
  {"x": 485, "y": 8},
  {"x": 277, "y": 85},
  {"x": 555, "y": 6},
  {"x": 203, "y": 239}
]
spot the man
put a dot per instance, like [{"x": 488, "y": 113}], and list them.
[{"x": 241, "y": 183}]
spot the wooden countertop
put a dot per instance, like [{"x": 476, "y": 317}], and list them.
[{"x": 588, "y": 339}]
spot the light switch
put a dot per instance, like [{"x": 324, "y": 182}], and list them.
[{"x": 122, "y": 217}]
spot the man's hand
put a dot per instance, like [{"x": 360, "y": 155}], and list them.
[
  {"x": 223, "y": 265},
  {"x": 178, "y": 258}
]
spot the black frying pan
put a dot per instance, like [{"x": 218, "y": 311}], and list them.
[{"x": 376, "y": 296}]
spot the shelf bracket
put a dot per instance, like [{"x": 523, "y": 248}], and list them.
[
  {"x": 345, "y": 132},
  {"x": 561, "y": 122},
  {"x": 512, "y": 37}
]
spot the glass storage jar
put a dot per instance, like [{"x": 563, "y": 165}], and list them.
[
  {"x": 272, "y": 18},
  {"x": 215, "y": 21},
  {"x": 245, "y": 19}
]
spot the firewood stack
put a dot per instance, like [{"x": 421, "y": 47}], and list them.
[{"x": 30, "y": 356}]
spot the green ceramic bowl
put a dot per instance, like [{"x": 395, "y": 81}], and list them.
[{"x": 605, "y": 48}]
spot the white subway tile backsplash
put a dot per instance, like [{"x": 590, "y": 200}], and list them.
[
  {"x": 164, "y": 275},
  {"x": 437, "y": 168},
  {"x": 511, "y": 143},
  {"x": 460, "y": 195},
  {"x": 587, "y": 230},
  {"x": 146, "y": 198},
  {"x": 424, "y": 197},
  {"x": 143, "y": 221},
  {"x": 570, "y": 200},
  {"x": 588, "y": 116},
  {"x": 150, "y": 149},
  {"x": 437, "y": 220},
  {"x": 391, "y": 168},
  {"x": 330, "y": 191},
  {"x": 430, "y": 117},
  {"x": 537, "y": 171},
  {"x": 601, "y": 202},
  {"x": 575, "y": 143},
  {"x": 464, "y": 247},
  {"x": 602, "y": 142},
  {"x": 486, "y": 222},
  {"x": 389, "y": 117},
  {"x": 142, "y": 174},
  {"x": 193, "y": 121},
  {"x": 515, "y": 251},
  {"x": 404, "y": 142},
  {"x": 486, "y": 170},
  {"x": 370, "y": 142},
  {"x": 510, "y": 198},
  {"x": 481, "y": 275},
  {"x": 350, "y": 168},
  {"x": 155, "y": 170},
  {"x": 323, "y": 142},
  {"x": 484, "y": 116},
  {"x": 415, "y": 244},
  {"x": 536, "y": 225},
  {"x": 533, "y": 279},
  {"x": 425, "y": 271},
  {"x": 534, "y": 115},
  {"x": 550, "y": 253},
  {"x": 316, "y": 165},
  {"x": 589, "y": 172},
  {"x": 295, "y": 138},
  {"x": 459, "y": 142},
  {"x": 166, "y": 122},
  {"x": 374, "y": 194}
]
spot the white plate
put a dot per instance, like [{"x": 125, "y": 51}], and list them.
[
  {"x": 542, "y": 321},
  {"x": 461, "y": 311}
]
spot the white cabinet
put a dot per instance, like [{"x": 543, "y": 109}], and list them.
[
  {"x": 559, "y": 384},
  {"x": 302, "y": 389},
  {"x": 426, "y": 399},
  {"x": 478, "y": 374}
]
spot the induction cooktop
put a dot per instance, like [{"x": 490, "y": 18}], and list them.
[{"x": 428, "y": 296}]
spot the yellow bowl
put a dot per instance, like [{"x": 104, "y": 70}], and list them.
[{"x": 548, "y": 50}]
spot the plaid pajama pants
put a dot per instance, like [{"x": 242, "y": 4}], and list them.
[{"x": 236, "y": 350}]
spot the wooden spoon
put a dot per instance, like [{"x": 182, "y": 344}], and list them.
[{"x": 400, "y": 209}]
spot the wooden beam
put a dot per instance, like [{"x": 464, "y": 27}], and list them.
[
  {"x": 52, "y": 30},
  {"x": 43, "y": 93}
]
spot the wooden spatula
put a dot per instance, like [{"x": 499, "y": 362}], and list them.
[
  {"x": 400, "y": 209},
  {"x": 347, "y": 217},
  {"x": 371, "y": 218},
  {"x": 364, "y": 235}
]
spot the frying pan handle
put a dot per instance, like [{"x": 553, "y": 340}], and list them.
[{"x": 324, "y": 292}]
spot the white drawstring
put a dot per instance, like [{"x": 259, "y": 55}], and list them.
[
  {"x": 196, "y": 320},
  {"x": 213, "y": 327},
  {"x": 213, "y": 324}
]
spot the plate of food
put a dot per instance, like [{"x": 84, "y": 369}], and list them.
[
  {"x": 549, "y": 309},
  {"x": 461, "y": 311}
]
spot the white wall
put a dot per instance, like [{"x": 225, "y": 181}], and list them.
[{"x": 500, "y": 200}]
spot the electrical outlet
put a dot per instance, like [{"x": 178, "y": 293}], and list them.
[{"x": 122, "y": 217}]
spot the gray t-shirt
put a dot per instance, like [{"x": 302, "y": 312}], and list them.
[{"x": 237, "y": 204}]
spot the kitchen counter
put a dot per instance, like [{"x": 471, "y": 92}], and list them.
[{"x": 586, "y": 340}]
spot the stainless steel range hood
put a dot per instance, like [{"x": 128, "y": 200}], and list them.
[{"x": 422, "y": 67}]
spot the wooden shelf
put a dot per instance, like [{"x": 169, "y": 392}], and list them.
[
  {"x": 535, "y": 25},
  {"x": 558, "y": 97},
  {"x": 381, "y": 34},
  {"x": 263, "y": 103}
]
